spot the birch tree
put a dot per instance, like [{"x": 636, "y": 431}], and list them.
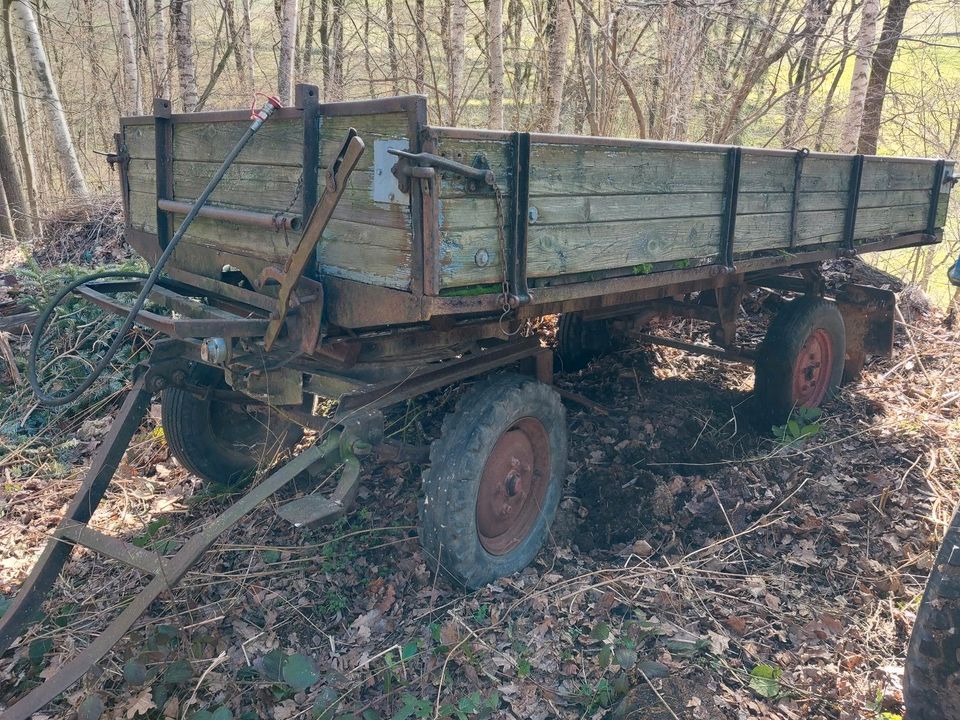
[
  {"x": 392, "y": 48},
  {"x": 20, "y": 118},
  {"x": 455, "y": 40},
  {"x": 133, "y": 104},
  {"x": 556, "y": 67},
  {"x": 161, "y": 63},
  {"x": 495, "y": 63},
  {"x": 419, "y": 23},
  {"x": 247, "y": 40},
  {"x": 853, "y": 116},
  {"x": 288, "y": 46},
  {"x": 17, "y": 210},
  {"x": 50, "y": 97},
  {"x": 181, "y": 12},
  {"x": 307, "y": 63}
]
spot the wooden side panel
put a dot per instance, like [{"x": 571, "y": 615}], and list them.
[
  {"x": 605, "y": 207},
  {"x": 366, "y": 240},
  {"x": 140, "y": 141}
]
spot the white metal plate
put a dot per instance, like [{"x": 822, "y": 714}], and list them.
[{"x": 385, "y": 187}]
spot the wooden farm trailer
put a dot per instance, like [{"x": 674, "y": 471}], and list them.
[{"x": 354, "y": 252}]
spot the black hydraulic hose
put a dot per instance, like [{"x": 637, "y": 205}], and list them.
[{"x": 258, "y": 119}]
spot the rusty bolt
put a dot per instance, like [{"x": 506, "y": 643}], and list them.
[
  {"x": 158, "y": 383},
  {"x": 179, "y": 377}
]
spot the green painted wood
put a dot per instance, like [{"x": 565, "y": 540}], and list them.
[
  {"x": 560, "y": 249},
  {"x": 140, "y": 141},
  {"x": 278, "y": 142},
  {"x": 559, "y": 169}
]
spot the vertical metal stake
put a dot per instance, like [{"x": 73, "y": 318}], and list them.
[
  {"x": 163, "y": 127},
  {"x": 853, "y": 202},
  {"x": 731, "y": 192}
]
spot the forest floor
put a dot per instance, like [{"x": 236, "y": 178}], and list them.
[{"x": 699, "y": 567}]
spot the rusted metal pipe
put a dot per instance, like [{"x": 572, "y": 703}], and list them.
[{"x": 274, "y": 221}]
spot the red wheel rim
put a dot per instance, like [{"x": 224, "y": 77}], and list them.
[
  {"x": 811, "y": 373},
  {"x": 513, "y": 486}
]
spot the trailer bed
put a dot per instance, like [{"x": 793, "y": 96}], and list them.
[{"x": 579, "y": 218}]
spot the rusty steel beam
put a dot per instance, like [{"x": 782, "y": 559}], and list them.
[{"x": 182, "y": 329}]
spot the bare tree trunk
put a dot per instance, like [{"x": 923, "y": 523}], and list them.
[
  {"x": 853, "y": 116},
  {"x": 556, "y": 68},
  {"x": 456, "y": 37},
  {"x": 6, "y": 222},
  {"x": 335, "y": 49},
  {"x": 20, "y": 117},
  {"x": 879, "y": 72},
  {"x": 392, "y": 48},
  {"x": 181, "y": 12},
  {"x": 367, "y": 55},
  {"x": 23, "y": 14},
  {"x": 161, "y": 63},
  {"x": 307, "y": 63},
  {"x": 495, "y": 62},
  {"x": 236, "y": 39},
  {"x": 288, "y": 47},
  {"x": 133, "y": 104},
  {"x": 421, "y": 30},
  {"x": 17, "y": 210},
  {"x": 247, "y": 39},
  {"x": 325, "y": 45}
]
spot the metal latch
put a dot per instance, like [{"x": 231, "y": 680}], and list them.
[{"x": 424, "y": 166}]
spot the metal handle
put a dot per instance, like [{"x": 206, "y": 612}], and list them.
[{"x": 483, "y": 175}]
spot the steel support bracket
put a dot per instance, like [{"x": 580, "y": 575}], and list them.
[
  {"x": 868, "y": 319},
  {"x": 518, "y": 292}
]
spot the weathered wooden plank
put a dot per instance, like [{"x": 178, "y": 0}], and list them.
[
  {"x": 256, "y": 242},
  {"x": 557, "y": 169},
  {"x": 896, "y": 174},
  {"x": 560, "y": 249},
  {"x": 371, "y": 264},
  {"x": 143, "y": 210},
  {"x": 464, "y": 213},
  {"x": 370, "y": 128},
  {"x": 268, "y": 188},
  {"x": 140, "y": 141},
  {"x": 278, "y": 142},
  {"x": 888, "y": 220}
]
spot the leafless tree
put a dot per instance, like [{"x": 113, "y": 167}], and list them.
[
  {"x": 181, "y": 12},
  {"x": 23, "y": 16},
  {"x": 879, "y": 73},
  {"x": 288, "y": 42},
  {"x": 853, "y": 117}
]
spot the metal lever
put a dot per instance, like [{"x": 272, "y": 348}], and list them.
[
  {"x": 482, "y": 175},
  {"x": 337, "y": 176}
]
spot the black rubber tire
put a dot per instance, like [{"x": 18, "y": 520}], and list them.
[
  {"x": 580, "y": 341},
  {"x": 448, "y": 507},
  {"x": 779, "y": 353},
  {"x": 222, "y": 443},
  {"x": 931, "y": 682}
]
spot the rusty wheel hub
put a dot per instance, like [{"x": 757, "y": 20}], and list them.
[
  {"x": 811, "y": 374},
  {"x": 513, "y": 485}
]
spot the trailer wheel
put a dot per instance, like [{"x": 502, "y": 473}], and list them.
[
  {"x": 495, "y": 478},
  {"x": 579, "y": 341},
  {"x": 800, "y": 361},
  {"x": 931, "y": 685},
  {"x": 221, "y": 442}
]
